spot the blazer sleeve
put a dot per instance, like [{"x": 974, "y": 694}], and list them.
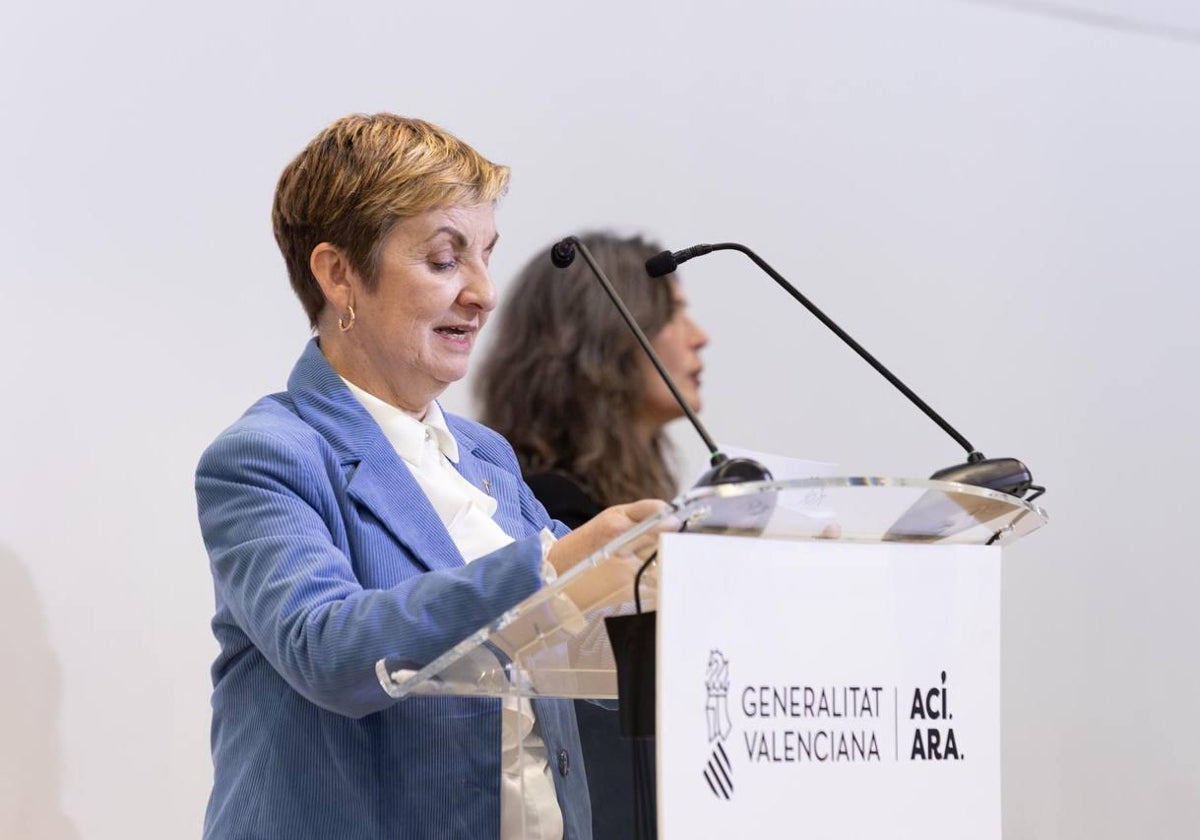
[{"x": 277, "y": 532}]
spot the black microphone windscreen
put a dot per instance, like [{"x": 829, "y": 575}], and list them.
[
  {"x": 562, "y": 254},
  {"x": 661, "y": 265}
]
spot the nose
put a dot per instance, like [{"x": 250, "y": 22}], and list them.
[
  {"x": 479, "y": 291},
  {"x": 699, "y": 338}
]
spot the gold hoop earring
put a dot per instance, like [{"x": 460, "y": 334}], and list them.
[{"x": 345, "y": 324}]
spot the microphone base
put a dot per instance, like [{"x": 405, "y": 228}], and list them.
[
  {"x": 744, "y": 515},
  {"x": 734, "y": 471},
  {"x": 1006, "y": 475}
]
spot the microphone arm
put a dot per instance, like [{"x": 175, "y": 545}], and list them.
[
  {"x": 678, "y": 257},
  {"x": 1005, "y": 474},
  {"x": 724, "y": 470}
]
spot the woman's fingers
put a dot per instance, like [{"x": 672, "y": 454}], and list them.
[{"x": 602, "y": 529}]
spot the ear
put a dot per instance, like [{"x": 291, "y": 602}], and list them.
[{"x": 337, "y": 279}]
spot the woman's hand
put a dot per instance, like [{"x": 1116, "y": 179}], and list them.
[{"x": 602, "y": 529}]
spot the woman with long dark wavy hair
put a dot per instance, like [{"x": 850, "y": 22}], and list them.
[{"x": 567, "y": 384}]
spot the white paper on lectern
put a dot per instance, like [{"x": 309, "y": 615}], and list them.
[{"x": 768, "y": 651}]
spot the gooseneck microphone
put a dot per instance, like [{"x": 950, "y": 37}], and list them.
[
  {"x": 723, "y": 470},
  {"x": 632, "y": 637},
  {"x": 1007, "y": 475}
]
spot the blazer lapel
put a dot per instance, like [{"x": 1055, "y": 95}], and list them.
[
  {"x": 499, "y": 483},
  {"x": 384, "y": 485},
  {"x": 376, "y": 477}
]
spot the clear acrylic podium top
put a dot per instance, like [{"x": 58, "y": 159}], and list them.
[{"x": 554, "y": 644}]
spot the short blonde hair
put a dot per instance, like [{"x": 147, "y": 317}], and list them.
[{"x": 360, "y": 176}]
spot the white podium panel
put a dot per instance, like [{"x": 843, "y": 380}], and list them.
[{"x": 828, "y": 690}]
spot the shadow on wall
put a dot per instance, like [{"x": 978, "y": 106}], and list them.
[{"x": 30, "y": 756}]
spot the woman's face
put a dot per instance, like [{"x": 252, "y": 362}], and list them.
[
  {"x": 678, "y": 345},
  {"x": 413, "y": 334}
]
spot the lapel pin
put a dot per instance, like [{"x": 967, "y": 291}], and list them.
[{"x": 487, "y": 486}]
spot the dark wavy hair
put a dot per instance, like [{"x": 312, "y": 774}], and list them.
[{"x": 563, "y": 379}]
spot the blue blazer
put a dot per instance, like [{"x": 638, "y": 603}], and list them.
[{"x": 326, "y": 557}]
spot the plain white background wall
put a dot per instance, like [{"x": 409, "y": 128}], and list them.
[{"x": 1001, "y": 204}]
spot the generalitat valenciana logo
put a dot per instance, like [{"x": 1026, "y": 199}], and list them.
[{"x": 718, "y": 772}]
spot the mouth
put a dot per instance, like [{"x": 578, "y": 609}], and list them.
[{"x": 457, "y": 332}]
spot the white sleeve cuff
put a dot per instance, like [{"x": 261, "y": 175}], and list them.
[
  {"x": 549, "y": 573},
  {"x": 568, "y": 615}
]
